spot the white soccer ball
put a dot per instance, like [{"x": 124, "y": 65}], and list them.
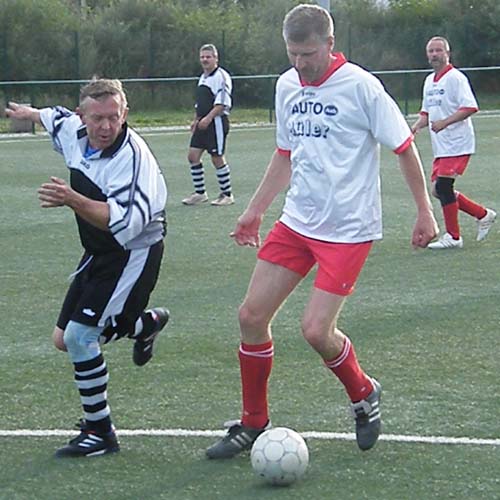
[{"x": 280, "y": 456}]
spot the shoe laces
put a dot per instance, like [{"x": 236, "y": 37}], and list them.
[
  {"x": 361, "y": 409},
  {"x": 83, "y": 427},
  {"x": 232, "y": 423},
  {"x": 84, "y": 431},
  {"x": 485, "y": 222}
]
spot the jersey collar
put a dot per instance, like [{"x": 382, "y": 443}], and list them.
[
  {"x": 337, "y": 60},
  {"x": 113, "y": 149},
  {"x": 212, "y": 72},
  {"x": 438, "y": 76}
]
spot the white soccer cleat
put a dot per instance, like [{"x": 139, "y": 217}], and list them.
[
  {"x": 223, "y": 200},
  {"x": 445, "y": 242},
  {"x": 484, "y": 224},
  {"x": 195, "y": 199}
]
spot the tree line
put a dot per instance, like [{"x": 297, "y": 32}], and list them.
[{"x": 76, "y": 39}]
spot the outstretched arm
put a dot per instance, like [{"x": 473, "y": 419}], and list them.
[
  {"x": 23, "y": 112},
  {"x": 426, "y": 227},
  {"x": 276, "y": 178}
]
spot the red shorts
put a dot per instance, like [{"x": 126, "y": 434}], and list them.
[
  {"x": 449, "y": 166},
  {"x": 339, "y": 264}
]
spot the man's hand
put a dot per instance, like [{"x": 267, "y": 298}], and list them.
[
  {"x": 438, "y": 125},
  {"x": 204, "y": 123},
  {"x": 194, "y": 124},
  {"x": 55, "y": 193},
  {"x": 458, "y": 116},
  {"x": 425, "y": 230},
  {"x": 246, "y": 232},
  {"x": 422, "y": 122},
  {"x": 22, "y": 112}
]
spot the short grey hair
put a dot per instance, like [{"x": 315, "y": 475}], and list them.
[
  {"x": 440, "y": 39},
  {"x": 100, "y": 88},
  {"x": 211, "y": 48},
  {"x": 306, "y": 21}
]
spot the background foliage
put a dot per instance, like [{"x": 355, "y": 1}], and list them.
[
  {"x": 130, "y": 38},
  {"x": 61, "y": 39}
]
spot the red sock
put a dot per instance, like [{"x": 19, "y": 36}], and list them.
[
  {"x": 357, "y": 384},
  {"x": 470, "y": 207},
  {"x": 450, "y": 213},
  {"x": 255, "y": 367}
]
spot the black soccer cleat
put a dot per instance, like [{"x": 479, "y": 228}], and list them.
[
  {"x": 143, "y": 348},
  {"x": 367, "y": 415},
  {"x": 89, "y": 444},
  {"x": 238, "y": 438}
]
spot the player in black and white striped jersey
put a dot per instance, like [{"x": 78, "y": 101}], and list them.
[
  {"x": 118, "y": 195},
  {"x": 210, "y": 128}
]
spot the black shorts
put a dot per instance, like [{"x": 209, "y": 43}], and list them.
[
  {"x": 213, "y": 138},
  {"x": 113, "y": 288}
]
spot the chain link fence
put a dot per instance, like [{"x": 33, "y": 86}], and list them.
[{"x": 254, "y": 91}]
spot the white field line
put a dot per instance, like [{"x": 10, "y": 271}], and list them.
[{"x": 345, "y": 436}]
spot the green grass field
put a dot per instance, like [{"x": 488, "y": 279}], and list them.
[{"x": 425, "y": 324}]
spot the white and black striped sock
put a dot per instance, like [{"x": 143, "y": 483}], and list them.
[
  {"x": 91, "y": 378},
  {"x": 198, "y": 176},
  {"x": 224, "y": 178}
]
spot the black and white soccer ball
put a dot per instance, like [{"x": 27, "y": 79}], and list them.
[{"x": 280, "y": 456}]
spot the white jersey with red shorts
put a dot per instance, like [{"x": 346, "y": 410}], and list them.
[
  {"x": 444, "y": 94},
  {"x": 332, "y": 129}
]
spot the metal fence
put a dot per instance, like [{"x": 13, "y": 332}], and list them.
[{"x": 253, "y": 91}]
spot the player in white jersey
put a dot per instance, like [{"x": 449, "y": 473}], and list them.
[
  {"x": 118, "y": 194},
  {"x": 210, "y": 128},
  {"x": 331, "y": 117},
  {"x": 447, "y": 105}
]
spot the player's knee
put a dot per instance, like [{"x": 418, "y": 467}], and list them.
[
  {"x": 71, "y": 337},
  {"x": 218, "y": 161},
  {"x": 245, "y": 317},
  {"x": 312, "y": 331},
  {"x": 444, "y": 190},
  {"x": 193, "y": 158},
  {"x": 82, "y": 341},
  {"x": 250, "y": 320},
  {"x": 316, "y": 332},
  {"x": 58, "y": 339}
]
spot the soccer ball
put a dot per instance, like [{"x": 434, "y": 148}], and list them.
[{"x": 280, "y": 456}]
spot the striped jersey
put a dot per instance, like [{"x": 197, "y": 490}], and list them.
[
  {"x": 214, "y": 88},
  {"x": 443, "y": 95},
  {"x": 332, "y": 129},
  {"x": 126, "y": 176}
]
